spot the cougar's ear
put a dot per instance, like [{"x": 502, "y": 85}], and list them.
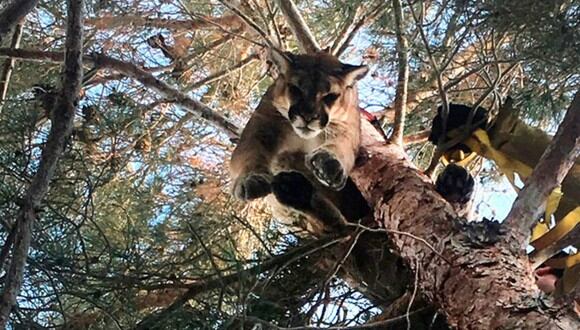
[
  {"x": 352, "y": 73},
  {"x": 282, "y": 60}
]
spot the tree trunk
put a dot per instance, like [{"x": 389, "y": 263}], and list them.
[{"x": 485, "y": 288}]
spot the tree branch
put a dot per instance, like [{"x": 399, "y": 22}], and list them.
[
  {"x": 9, "y": 65},
  {"x": 222, "y": 281},
  {"x": 220, "y": 74},
  {"x": 62, "y": 124},
  {"x": 249, "y": 22},
  {"x": 112, "y": 22},
  {"x": 403, "y": 75},
  {"x": 350, "y": 31},
  {"x": 404, "y": 200},
  {"x": 14, "y": 13},
  {"x": 169, "y": 92},
  {"x": 304, "y": 36},
  {"x": 555, "y": 163},
  {"x": 141, "y": 75}
]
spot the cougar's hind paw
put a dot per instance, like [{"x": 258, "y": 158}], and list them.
[
  {"x": 327, "y": 169},
  {"x": 252, "y": 186},
  {"x": 292, "y": 189}
]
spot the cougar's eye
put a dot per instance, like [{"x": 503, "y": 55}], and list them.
[
  {"x": 295, "y": 92},
  {"x": 330, "y": 98}
]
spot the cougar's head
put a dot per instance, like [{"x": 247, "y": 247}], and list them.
[{"x": 314, "y": 90}]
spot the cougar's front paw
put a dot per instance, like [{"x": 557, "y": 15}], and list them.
[
  {"x": 292, "y": 189},
  {"x": 252, "y": 186},
  {"x": 327, "y": 169}
]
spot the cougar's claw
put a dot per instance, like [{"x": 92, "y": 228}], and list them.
[{"x": 327, "y": 169}]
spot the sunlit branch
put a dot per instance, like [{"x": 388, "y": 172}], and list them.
[
  {"x": 403, "y": 75},
  {"x": 304, "y": 36}
]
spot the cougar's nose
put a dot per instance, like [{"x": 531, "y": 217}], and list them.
[
  {"x": 320, "y": 119},
  {"x": 310, "y": 117}
]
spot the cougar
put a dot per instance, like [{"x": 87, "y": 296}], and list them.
[{"x": 301, "y": 142}]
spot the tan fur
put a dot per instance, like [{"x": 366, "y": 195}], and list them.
[{"x": 273, "y": 140}]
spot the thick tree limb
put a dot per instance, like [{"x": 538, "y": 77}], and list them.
[
  {"x": 403, "y": 75},
  {"x": 9, "y": 65},
  {"x": 494, "y": 282},
  {"x": 304, "y": 36},
  {"x": 62, "y": 123},
  {"x": 555, "y": 163},
  {"x": 14, "y": 13},
  {"x": 141, "y": 75}
]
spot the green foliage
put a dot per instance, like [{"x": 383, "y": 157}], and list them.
[{"x": 140, "y": 208}]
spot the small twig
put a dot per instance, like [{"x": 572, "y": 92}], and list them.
[
  {"x": 214, "y": 283},
  {"x": 393, "y": 231},
  {"x": 415, "y": 286},
  {"x": 223, "y": 73},
  {"x": 207, "y": 251},
  {"x": 250, "y": 23},
  {"x": 441, "y": 89},
  {"x": 342, "y": 260},
  {"x": 341, "y": 45},
  {"x": 354, "y": 327}
]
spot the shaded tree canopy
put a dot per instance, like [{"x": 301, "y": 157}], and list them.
[{"x": 138, "y": 228}]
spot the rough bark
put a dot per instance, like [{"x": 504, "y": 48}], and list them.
[
  {"x": 62, "y": 124},
  {"x": 13, "y": 13},
  {"x": 304, "y": 36},
  {"x": 487, "y": 288},
  {"x": 550, "y": 171}
]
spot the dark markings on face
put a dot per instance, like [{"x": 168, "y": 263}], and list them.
[{"x": 304, "y": 89}]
